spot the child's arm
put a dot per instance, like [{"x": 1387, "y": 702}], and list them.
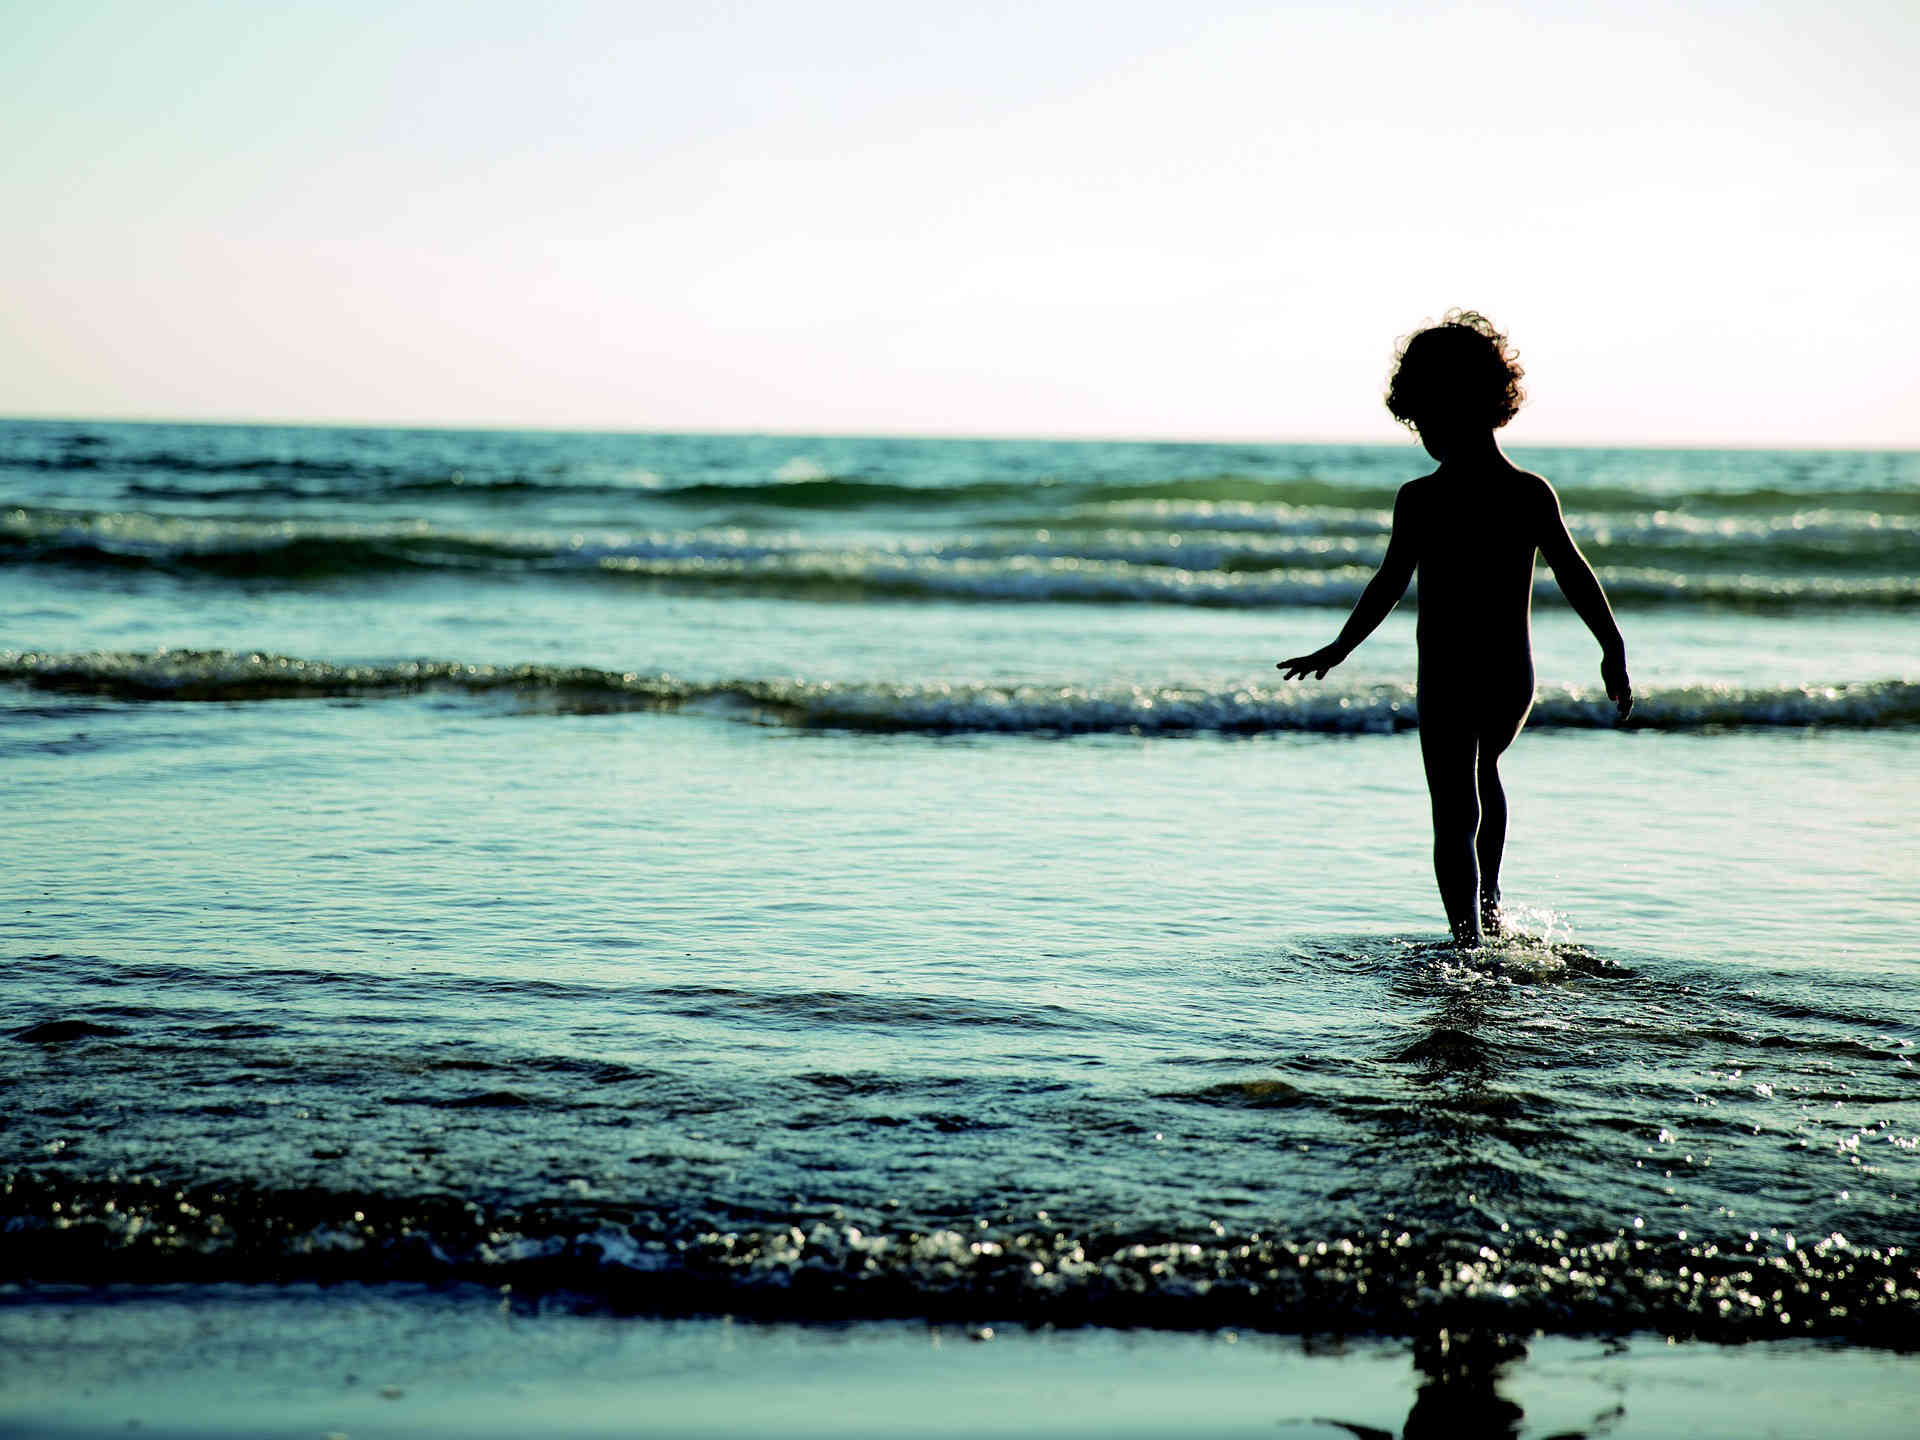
[
  {"x": 1582, "y": 589},
  {"x": 1376, "y": 602}
]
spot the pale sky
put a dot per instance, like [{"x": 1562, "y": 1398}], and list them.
[{"x": 1699, "y": 221}]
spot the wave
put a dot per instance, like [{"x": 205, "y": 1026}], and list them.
[
  {"x": 1823, "y": 537},
  {"x": 1212, "y": 504},
  {"x": 1315, "y": 562},
  {"x": 1395, "y": 1278},
  {"x": 175, "y": 477},
  {"x": 931, "y": 708},
  {"x": 96, "y": 456},
  {"x": 310, "y": 481},
  {"x": 372, "y": 466},
  {"x": 291, "y": 489}
]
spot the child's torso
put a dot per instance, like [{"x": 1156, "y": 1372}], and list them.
[{"x": 1478, "y": 532}]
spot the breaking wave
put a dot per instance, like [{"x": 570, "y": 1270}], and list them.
[
  {"x": 1397, "y": 1279},
  {"x": 931, "y": 707},
  {"x": 1278, "y": 557}
]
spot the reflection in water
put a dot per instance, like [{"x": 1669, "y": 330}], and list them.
[
  {"x": 1463, "y": 1127},
  {"x": 1456, "y": 1124},
  {"x": 1459, "y": 1396}
]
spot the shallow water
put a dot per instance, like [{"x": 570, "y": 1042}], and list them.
[{"x": 770, "y": 947}]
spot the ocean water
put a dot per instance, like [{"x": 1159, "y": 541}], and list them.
[{"x": 855, "y": 878}]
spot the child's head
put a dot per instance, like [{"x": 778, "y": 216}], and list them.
[{"x": 1459, "y": 374}]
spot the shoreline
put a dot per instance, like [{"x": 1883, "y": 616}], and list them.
[{"x": 408, "y": 1361}]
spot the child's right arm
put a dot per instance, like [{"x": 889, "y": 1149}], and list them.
[
  {"x": 1582, "y": 589},
  {"x": 1376, "y": 602}
]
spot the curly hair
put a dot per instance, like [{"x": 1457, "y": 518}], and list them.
[{"x": 1461, "y": 370}]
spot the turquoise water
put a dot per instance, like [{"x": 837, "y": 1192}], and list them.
[{"x": 874, "y": 877}]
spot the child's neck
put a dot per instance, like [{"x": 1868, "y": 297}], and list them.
[{"x": 1463, "y": 448}]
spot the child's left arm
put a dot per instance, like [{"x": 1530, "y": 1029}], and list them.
[
  {"x": 1582, "y": 589},
  {"x": 1376, "y": 602}
]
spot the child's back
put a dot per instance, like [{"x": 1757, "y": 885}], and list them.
[
  {"x": 1470, "y": 531},
  {"x": 1476, "y": 527}
]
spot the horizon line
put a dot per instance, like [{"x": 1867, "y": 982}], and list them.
[{"x": 777, "y": 432}]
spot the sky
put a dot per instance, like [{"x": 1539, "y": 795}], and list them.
[{"x": 1697, "y": 220}]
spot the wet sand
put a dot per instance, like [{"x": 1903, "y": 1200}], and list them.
[{"x": 365, "y": 1363}]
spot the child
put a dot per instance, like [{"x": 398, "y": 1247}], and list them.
[{"x": 1471, "y": 529}]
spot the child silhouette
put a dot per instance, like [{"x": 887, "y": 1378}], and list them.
[{"x": 1471, "y": 529}]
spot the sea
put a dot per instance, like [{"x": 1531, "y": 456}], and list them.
[{"x": 849, "y": 879}]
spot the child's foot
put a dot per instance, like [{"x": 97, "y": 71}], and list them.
[{"x": 1491, "y": 919}]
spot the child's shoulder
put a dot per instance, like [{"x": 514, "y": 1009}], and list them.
[
  {"x": 1416, "y": 489},
  {"x": 1537, "y": 489},
  {"x": 1509, "y": 488}
]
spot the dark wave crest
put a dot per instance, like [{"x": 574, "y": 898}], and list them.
[
  {"x": 96, "y": 457},
  {"x": 1391, "y": 1279},
  {"x": 240, "y": 465},
  {"x": 1178, "y": 556},
  {"x": 930, "y": 708}
]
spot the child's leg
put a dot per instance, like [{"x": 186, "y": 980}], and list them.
[
  {"x": 1501, "y": 729},
  {"x": 1491, "y": 842},
  {"x": 1450, "y": 753}
]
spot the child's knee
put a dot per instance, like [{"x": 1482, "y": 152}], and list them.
[{"x": 1455, "y": 821}]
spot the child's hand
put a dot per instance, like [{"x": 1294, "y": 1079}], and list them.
[
  {"x": 1319, "y": 662},
  {"x": 1613, "y": 674}
]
